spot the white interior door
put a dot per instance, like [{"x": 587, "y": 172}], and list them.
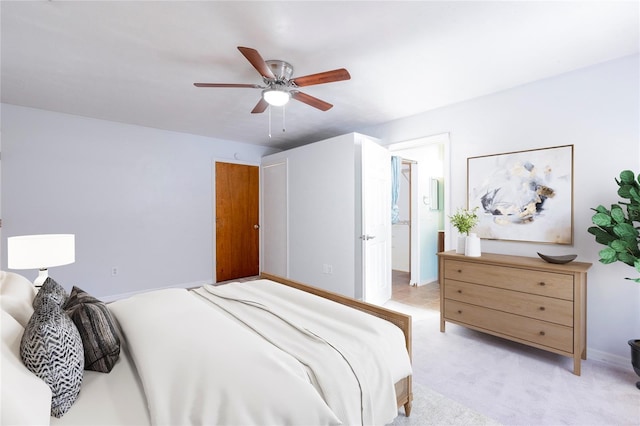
[
  {"x": 414, "y": 258},
  {"x": 376, "y": 223},
  {"x": 275, "y": 231}
]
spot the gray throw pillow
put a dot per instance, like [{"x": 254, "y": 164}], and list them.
[
  {"x": 51, "y": 290},
  {"x": 51, "y": 348},
  {"x": 97, "y": 329}
]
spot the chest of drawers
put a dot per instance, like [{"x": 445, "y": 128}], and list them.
[{"x": 519, "y": 298}]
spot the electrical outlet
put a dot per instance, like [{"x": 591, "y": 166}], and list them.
[
  {"x": 327, "y": 269},
  {"x": 114, "y": 271}
]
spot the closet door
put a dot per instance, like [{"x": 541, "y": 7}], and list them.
[{"x": 275, "y": 210}]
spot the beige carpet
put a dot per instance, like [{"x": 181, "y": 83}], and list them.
[
  {"x": 432, "y": 408},
  {"x": 514, "y": 384}
]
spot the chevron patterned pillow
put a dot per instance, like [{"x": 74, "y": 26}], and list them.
[
  {"x": 50, "y": 289},
  {"x": 51, "y": 348},
  {"x": 97, "y": 329}
]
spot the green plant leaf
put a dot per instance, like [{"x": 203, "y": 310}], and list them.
[
  {"x": 608, "y": 255},
  {"x": 601, "y": 219},
  {"x": 624, "y": 230},
  {"x": 632, "y": 245},
  {"x": 625, "y": 191},
  {"x": 627, "y": 176},
  {"x": 600, "y": 209},
  {"x": 635, "y": 195},
  {"x": 619, "y": 245},
  {"x": 601, "y": 235},
  {"x": 627, "y": 258},
  {"x": 617, "y": 214}
]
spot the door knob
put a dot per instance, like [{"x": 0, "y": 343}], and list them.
[{"x": 256, "y": 226}]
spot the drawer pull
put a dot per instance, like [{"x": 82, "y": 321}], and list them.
[
  {"x": 542, "y": 333},
  {"x": 459, "y": 311},
  {"x": 542, "y": 284},
  {"x": 460, "y": 291},
  {"x": 459, "y": 271},
  {"x": 542, "y": 308}
]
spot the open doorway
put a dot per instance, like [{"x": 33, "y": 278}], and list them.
[
  {"x": 405, "y": 228},
  {"x": 425, "y": 170}
]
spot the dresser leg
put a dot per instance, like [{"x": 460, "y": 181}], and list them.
[{"x": 576, "y": 365}]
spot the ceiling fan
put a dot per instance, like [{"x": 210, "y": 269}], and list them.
[{"x": 278, "y": 86}]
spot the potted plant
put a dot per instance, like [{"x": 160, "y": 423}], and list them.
[
  {"x": 463, "y": 220},
  {"x": 615, "y": 228}
]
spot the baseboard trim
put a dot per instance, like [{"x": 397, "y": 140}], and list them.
[
  {"x": 609, "y": 358},
  {"x": 114, "y": 297},
  {"x": 428, "y": 281}
]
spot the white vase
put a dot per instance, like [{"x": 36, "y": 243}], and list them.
[
  {"x": 461, "y": 244},
  {"x": 472, "y": 246}
]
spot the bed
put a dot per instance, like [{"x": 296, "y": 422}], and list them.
[{"x": 268, "y": 351}]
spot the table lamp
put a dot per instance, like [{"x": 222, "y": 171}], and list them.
[{"x": 40, "y": 252}]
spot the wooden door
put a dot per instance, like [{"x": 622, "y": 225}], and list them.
[{"x": 237, "y": 215}]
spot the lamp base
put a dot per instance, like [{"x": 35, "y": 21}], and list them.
[{"x": 43, "y": 274}]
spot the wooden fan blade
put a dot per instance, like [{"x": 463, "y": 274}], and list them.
[
  {"x": 310, "y": 100},
  {"x": 256, "y": 60},
  {"x": 249, "y": 86},
  {"x": 261, "y": 106},
  {"x": 323, "y": 77}
]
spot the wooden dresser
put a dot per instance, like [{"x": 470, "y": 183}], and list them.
[{"x": 523, "y": 299}]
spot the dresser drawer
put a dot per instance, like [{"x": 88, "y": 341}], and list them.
[
  {"x": 558, "y": 311},
  {"x": 540, "y": 332},
  {"x": 543, "y": 283}
]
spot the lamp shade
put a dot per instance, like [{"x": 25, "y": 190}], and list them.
[{"x": 40, "y": 251}]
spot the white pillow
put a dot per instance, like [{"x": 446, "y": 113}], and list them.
[
  {"x": 16, "y": 296},
  {"x": 26, "y": 399}
]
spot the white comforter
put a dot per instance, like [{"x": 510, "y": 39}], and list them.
[{"x": 285, "y": 358}]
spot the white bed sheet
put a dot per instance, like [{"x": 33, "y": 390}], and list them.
[
  {"x": 197, "y": 367},
  {"x": 333, "y": 341}
]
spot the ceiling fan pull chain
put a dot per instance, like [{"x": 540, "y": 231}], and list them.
[{"x": 284, "y": 107}]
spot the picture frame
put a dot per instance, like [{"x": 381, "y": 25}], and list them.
[{"x": 523, "y": 195}]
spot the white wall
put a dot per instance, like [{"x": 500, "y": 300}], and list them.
[
  {"x": 137, "y": 198},
  {"x": 321, "y": 218},
  {"x": 597, "y": 109}
]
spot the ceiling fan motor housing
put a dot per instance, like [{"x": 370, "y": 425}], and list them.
[{"x": 281, "y": 69}]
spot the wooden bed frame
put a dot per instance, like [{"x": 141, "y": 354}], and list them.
[{"x": 403, "y": 387}]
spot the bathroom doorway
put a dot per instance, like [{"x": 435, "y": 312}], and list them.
[{"x": 423, "y": 198}]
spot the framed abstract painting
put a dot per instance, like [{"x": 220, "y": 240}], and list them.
[{"x": 523, "y": 195}]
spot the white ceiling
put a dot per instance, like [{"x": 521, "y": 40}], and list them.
[{"x": 136, "y": 61}]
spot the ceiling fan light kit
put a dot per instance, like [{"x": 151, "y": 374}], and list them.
[
  {"x": 276, "y": 97},
  {"x": 279, "y": 86}
]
